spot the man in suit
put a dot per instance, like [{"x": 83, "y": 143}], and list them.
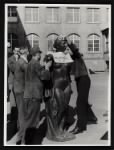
[
  {"x": 12, "y": 59},
  {"x": 34, "y": 88},
  {"x": 11, "y": 67},
  {"x": 19, "y": 85}
]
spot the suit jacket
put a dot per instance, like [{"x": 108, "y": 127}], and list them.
[
  {"x": 78, "y": 68},
  {"x": 19, "y": 75},
  {"x": 35, "y": 75},
  {"x": 11, "y": 63},
  {"x": 11, "y": 68}
]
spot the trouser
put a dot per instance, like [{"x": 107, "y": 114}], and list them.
[
  {"x": 83, "y": 87},
  {"x": 32, "y": 114},
  {"x": 21, "y": 113},
  {"x": 14, "y": 95},
  {"x": 14, "y": 109}
]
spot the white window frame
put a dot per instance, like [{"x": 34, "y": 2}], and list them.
[
  {"x": 73, "y": 14},
  {"x": 10, "y": 12},
  {"x": 93, "y": 15},
  {"x": 75, "y": 37},
  {"x": 52, "y": 15},
  {"x": 11, "y": 39},
  {"x": 32, "y": 39},
  {"x": 52, "y": 38},
  {"x": 93, "y": 39},
  {"x": 31, "y": 11}
]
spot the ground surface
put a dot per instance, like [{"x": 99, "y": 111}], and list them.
[{"x": 99, "y": 100}]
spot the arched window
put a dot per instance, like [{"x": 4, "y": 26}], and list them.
[
  {"x": 75, "y": 39},
  {"x": 13, "y": 40},
  {"x": 93, "y": 43},
  {"x": 32, "y": 40},
  {"x": 51, "y": 39}
]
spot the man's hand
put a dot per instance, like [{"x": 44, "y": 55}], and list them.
[{"x": 48, "y": 65}]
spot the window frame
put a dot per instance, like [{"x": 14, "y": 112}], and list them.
[
  {"x": 32, "y": 40},
  {"x": 31, "y": 12},
  {"x": 52, "y": 15},
  {"x": 93, "y": 43},
  {"x": 93, "y": 16},
  {"x": 10, "y": 11},
  {"x": 52, "y": 34},
  {"x": 12, "y": 39},
  {"x": 73, "y": 15},
  {"x": 75, "y": 39}
]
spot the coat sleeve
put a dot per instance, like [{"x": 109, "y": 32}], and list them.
[
  {"x": 23, "y": 66},
  {"x": 75, "y": 51},
  {"x": 11, "y": 64},
  {"x": 41, "y": 72}
]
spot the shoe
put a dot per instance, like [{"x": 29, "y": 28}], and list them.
[
  {"x": 18, "y": 142},
  {"x": 77, "y": 130},
  {"x": 92, "y": 120},
  {"x": 66, "y": 126}
]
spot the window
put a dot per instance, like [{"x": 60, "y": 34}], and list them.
[
  {"x": 51, "y": 39},
  {"x": 73, "y": 15},
  {"x": 31, "y": 14},
  {"x": 12, "y": 12},
  {"x": 52, "y": 15},
  {"x": 75, "y": 39},
  {"x": 32, "y": 40},
  {"x": 93, "y": 43},
  {"x": 13, "y": 40},
  {"x": 93, "y": 15}
]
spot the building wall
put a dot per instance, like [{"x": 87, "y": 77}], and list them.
[{"x": 42, "y": 29}]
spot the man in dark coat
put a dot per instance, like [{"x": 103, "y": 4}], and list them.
[
  {"x": 33, "y": 94},
  {"x": 19, "y": 85},
  {"x": 83, "y": 83}
]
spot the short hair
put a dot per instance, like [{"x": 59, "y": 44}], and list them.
[{"x": 24, "y": 47}]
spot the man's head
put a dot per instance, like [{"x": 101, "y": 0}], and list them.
[
  {"x": 24, "y": 50},
  {"x": 16, "y": 51},
  {"x": 36, "y": 53}
]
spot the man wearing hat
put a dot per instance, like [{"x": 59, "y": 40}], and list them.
[
  {"x": 19, "y": 85},
  {"x": 33, "y": 94}
]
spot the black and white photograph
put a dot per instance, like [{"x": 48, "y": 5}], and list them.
[{"x": 57, "y": 75}]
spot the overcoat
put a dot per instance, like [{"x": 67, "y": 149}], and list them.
[
  {"x": 19, "y": 75},
  {"x": 34, "y": 77},
  {"x": 11, "y": 64}
]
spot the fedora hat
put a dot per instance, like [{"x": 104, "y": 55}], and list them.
[
  {"x": 35, "y": 50},
  {"x": 23, "y": 50}
]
